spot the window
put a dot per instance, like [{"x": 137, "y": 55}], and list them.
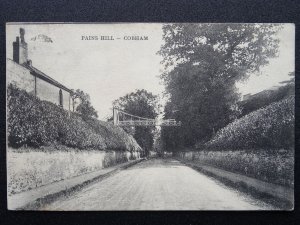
[{"x": 60, "y": 98}]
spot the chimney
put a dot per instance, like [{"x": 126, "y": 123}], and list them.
[
  {"x": 16, "y": 52},
  {"x": 20, "y": 51}
]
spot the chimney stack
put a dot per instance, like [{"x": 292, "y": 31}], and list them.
[{"x": 20, "y": 51}]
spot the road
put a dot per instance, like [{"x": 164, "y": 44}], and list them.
[{"x": 158, "y": 184}]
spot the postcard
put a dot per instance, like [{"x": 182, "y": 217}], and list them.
[{"x": 150, "y": 116}]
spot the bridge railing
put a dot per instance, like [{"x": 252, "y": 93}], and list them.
[{"x": 148, "y": 123}]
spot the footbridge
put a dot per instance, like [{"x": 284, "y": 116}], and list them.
[{"x": 122, "y": 118}]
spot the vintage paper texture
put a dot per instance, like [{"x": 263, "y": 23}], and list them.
[{"x": 150, "y": 116}]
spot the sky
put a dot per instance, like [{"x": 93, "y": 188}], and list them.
[
  {"x": 278, "y": 68},
  {"x": 109, "y": 69}
]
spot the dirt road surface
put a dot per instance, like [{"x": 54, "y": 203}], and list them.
[{"x": 158, "y": 184}]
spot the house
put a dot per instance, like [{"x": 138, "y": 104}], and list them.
[{"x": 19, "y": 71}]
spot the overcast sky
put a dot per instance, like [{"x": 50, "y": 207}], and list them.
[{"x": 107, "y": 70}]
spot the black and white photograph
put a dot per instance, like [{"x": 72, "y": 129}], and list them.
[{"x": 150, "y": 116}]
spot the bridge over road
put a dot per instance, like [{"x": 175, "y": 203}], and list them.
[{"x": 158, "y": 184}]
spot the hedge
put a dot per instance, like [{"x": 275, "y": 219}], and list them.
[
  {"x": 270, "y": 127},
  {"x": 35, "y": 123},
  {"x": 266, "y": 98}
]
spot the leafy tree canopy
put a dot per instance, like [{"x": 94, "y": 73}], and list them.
[
  {"x": 228, "y": 50},
  {"x": 144, "y": 104},
  {"x": 84, "y": 107},
  {"x": 202, "y": 63}
]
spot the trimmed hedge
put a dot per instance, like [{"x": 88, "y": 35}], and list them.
[
  {"x": 35, "y": 123},
  {"x": 265, "y": 98},
  {"x": 270, "y": 127}
]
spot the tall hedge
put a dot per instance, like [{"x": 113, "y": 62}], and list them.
[
  {"x": 32, "y": 122},
  {"x": 266, "y": 98},
  {"x": 270, "y": 127}
]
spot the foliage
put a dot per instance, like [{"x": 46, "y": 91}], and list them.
[
  {"x": 270, "y": 127},
  {"x": 84, "y": 108},
  {"x": 201, "y": 106},
  {"x": 270, "y": 166},
  {"x": 36, "y": 123},
  {"x": 237, "y": 49},
  {"x": 144, "y": 104},
  {"x": 202, "y": 64},
  {"x": 267, "y": 97}
]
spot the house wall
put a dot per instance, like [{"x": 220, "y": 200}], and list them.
[
  {"x": 20, "y": 76},
  {"x": 48, "y": 92}
]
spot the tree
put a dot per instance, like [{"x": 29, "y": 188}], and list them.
[
  {"x": 202, "y": 63},
  {"x": 84, "y": 107},
  {"x": 144, "y": 104}
]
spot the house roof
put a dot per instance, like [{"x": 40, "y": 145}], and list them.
[{"x": 45, "y": 77}]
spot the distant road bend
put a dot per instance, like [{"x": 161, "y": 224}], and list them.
[{"x": 158, "y": 184}]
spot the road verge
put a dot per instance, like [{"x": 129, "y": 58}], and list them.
[
  {"x": 279, "y": 196},
  {"x": 36, "y": 198}
]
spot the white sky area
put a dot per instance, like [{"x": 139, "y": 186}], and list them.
[
  {"x": 278, "y": 68},
  {"x": 107, "y": 70}
]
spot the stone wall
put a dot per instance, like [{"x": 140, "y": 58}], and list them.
[
  {"x": 31, "y": 168},
  {"x": 273, "y": 166}
]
